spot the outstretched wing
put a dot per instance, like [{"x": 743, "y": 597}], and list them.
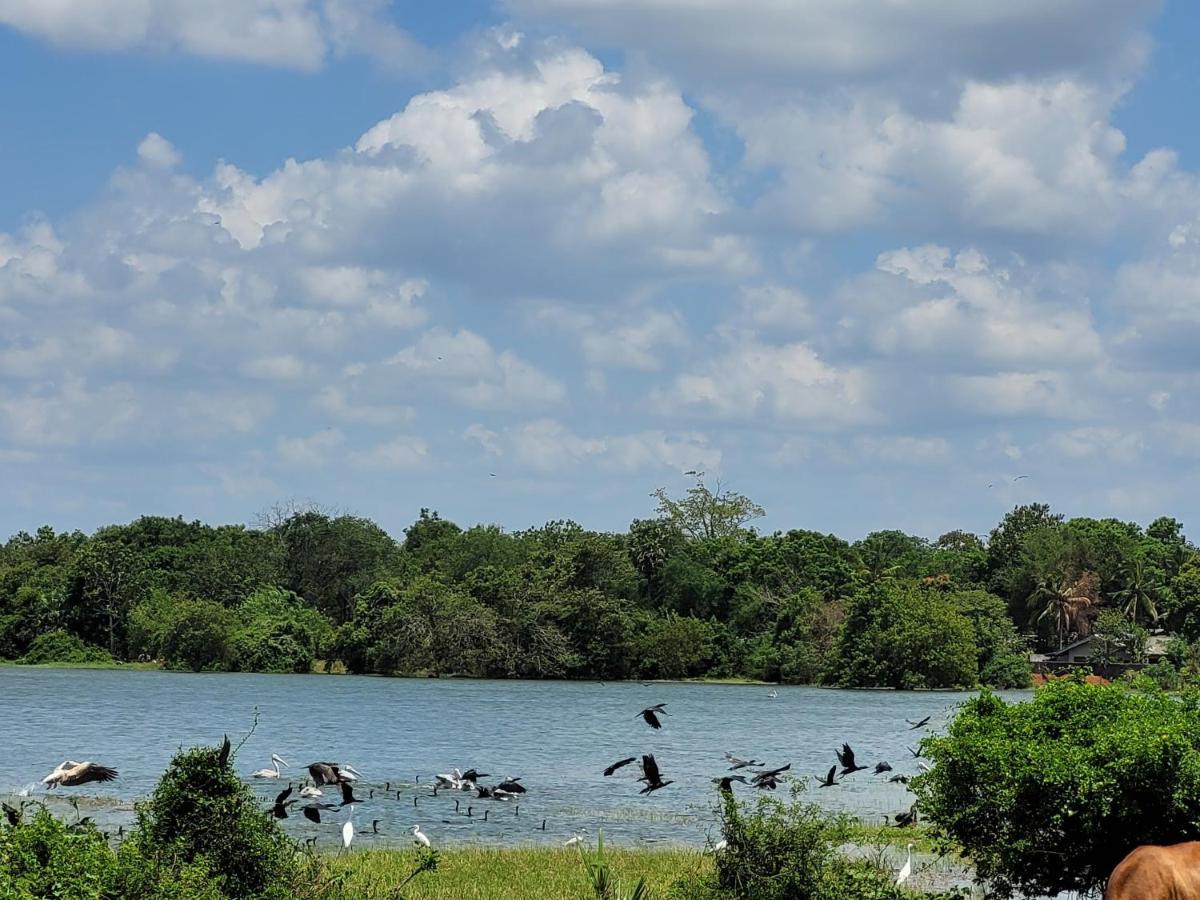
[
  {"x": 93, "y": 772},
  {"x": 831, "y": 773},
  {"x": 619, "y": 763},
  {"x": 283, "y": 795},
  {"x": 312, "y": 814},
  {"x": 847, "y": 757},
  {"x": 650, "y": 769}
]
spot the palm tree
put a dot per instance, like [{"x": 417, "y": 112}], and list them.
[
  {"x": 1141, "y": 587},
  {"x": 1066, "y": 603}
]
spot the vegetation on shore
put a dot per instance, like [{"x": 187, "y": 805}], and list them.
[{"x": 694, "y": 592}]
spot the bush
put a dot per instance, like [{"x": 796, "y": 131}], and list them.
[
  {"x": 1049, "y": 795},
  {"x": 61, "y": 647},
  {"x": 201, "y": 814},
  {"x": 43, "y": 857}
]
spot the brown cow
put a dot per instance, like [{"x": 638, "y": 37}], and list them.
[{"x": 1157, "y": 873}]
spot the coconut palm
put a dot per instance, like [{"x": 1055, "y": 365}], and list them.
[
  {"x": 1067, "y": 603},
  {"x": 1141, "y": 588}
]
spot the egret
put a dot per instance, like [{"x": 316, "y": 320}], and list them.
[
  {"x": 419, "y": 836},
  {"x": 650, "y": 717},
  {"x": 574, "y": 840},
  {"x": 71, "y": 774},
  {"x": 906, "y": 869},
  {"x": 272, "y": 772},
  {"x": 348, "y": 830},
  {"x": 718, "y": 846}
]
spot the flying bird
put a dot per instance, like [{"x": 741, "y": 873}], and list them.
[
  {"x": 739, "y": 763},
  {"x": 916, "y": 753},
  {"x": 331, "y": 773},
  {"x": 72, "y": 774},
  {"x": 768, "y": 779},
  {"x": 651, "y": 775},
  {"x": 828, "y": 780},
  {"x": 881, "y": 767},
  {"x": 725, "y": 784},
  {"x": 921, "y": 724},
  {"x": 846, "y": 758},
  {"x": 348, "y": 794},
  {"x": 1019, "y": 477},
  {"x": 472, "y": 775},
  {"x": 619, "y": 763},
  {"x": 279, "y": 810},
  {"x": 649, "y": 714}
]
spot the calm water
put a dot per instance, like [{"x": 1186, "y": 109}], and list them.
[{"x": 557, "y": 736}]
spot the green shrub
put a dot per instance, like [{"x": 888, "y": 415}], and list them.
[
  {"x": 1048, "y": 795},
  {"x": 201, "y": 813},
  {"x": 61, "y": 647},
  {"x": 43, "y": 857}
]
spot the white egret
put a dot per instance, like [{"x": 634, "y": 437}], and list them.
[
  {"x": 419, "y": 836},
  {"x": 348, "y": 830},
  {"x": 574, "y": 840},
  {"x": 906, "y": 869},
  {"x": 272, "y": 772}
]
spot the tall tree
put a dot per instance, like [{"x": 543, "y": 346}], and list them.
[
  {"x": 1140, "y": 592},
  {"x": 705, "y": 512}
]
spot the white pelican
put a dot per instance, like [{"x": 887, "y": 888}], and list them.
[
  {"x": 906, "y": 869},
  {"x": 419, "y": 836},
  {"x": 348, "y": 830},
  {"x": 773, "y": 693},
  {"x": 272, "y": 772},
  {"x": 309, "y": 791},
  {"x": 70, "y": 774}
]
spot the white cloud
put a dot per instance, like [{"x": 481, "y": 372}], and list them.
[
  {"x": 1100, "y": 442},
  {"x": 157, "y": 152},
  {"x": 310, "y": 452},
  {"x": 621, "y": 338},
  {"x": 275, "y": 368},
  {"x": 907, "y": 449},
  {"x": 401, "y": 453},
  {"x": 296, "y": 34},
  {"x": 549, "y": 446}
]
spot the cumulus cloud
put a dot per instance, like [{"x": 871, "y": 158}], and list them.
[
  {"x": 297, "y": 34},
  {"x": 549, "y": 446},
  {"x": 620, "y": 338}
]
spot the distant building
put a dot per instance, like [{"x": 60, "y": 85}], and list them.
[{"x": 1080, "y": 652}]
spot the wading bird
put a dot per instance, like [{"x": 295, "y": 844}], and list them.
[
  {"x": 649, "y": 714},
  {"x": 348, "y": 830},
  {"x": 907, "y": 818},
  {"x": 419, "y": 836},
  {"x": 739, "y": 763},
  {"x": 920, "y": 724},
  {"x": 846, "y": 757},
  {"x": 620, "y": 763},
  {"x": 72, "y": 774},
  {"x": 272, "y": 772},
  {"x": 828, "y": 780},
  {"x": 575, "y": 839},
  {"x": 651, "y": 776},
  {"x": 906, "y": 869}
]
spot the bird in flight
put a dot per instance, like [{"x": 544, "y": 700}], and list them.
[
  {"x": 768, "y": 779},
  {"x": 1019, "y": 477},
  {"x": 331, "y": 773},
  {"x": 916, "y": 753},
  {"x": 725, "y": 784},
  {"x": 619, "y": 763},
  {"x": 279, "y": 810},
  {"x": 881, "y": 767},
  {"x": 651, "y": 775},
  {"x": 739, "y": 763},
  {"x": 920, "y": 724},
  {"x": 348, "y": 794},
  {"x": 649, "y": 714},
  {"x": 846, "y": 758},
  {"x": 72, "y": 774},
  {"x": 828, "y": 780}
]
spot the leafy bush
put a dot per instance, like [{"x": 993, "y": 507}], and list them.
[
  {"x": 1048, "y": 795},
  {"x": 278, "y": 633},
  {"x": 61, "y": 647}
]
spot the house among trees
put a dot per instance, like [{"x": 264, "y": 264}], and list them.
[{"x": 1098, "y": 649}]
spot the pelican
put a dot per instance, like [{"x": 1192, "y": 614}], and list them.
[
  {"x": 272, "y": 772},
  {"x": 331, "y": 773},
  {"x": 71, "y": 774},
  {"x": 310, "y": 791},
  {"x": 348, "y": 830},
  {"x": 419, "y": 836},
  {"x": 906, "y": 869},
  {"x": 773, "y": 693}
]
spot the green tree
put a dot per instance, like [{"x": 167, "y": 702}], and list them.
[
  {"x": 106, "y": 580},
  {"x": 1141, "y": 590},
  {"x": 1064, "y": 604},
  {"x": 705, "y": 512}
]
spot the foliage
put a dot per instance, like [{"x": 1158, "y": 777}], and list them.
[
  {"x": 1048, "y": 795},
  {"x": 61, "y": 647},
  {"x": 1118, "y": 639},
  {"x": 705, "y": 512},
  {"x": 604, "y": 882}
]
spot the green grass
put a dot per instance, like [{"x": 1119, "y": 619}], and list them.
[
  {"x": 508, "y": 874},
  {"x": 105, "y": 664}
]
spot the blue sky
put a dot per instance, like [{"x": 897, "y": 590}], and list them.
[{"x": 857, "y": 261}]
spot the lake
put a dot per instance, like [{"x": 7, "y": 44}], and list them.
[{"x": 557, "y": 736}]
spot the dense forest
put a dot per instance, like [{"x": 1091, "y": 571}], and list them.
[{"x": 694, "y": 591}]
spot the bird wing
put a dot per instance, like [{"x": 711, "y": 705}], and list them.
[
  {"x": 619, "y": 763},
  {"x": 847, "y": 757},
  {"x": 312, "y": 814},
  {"x": 283, "y": 795},
  {"x": 223, "y": 755},
  {"x": 87, "y": 772},
  {"x": 832, "y": 772},
  {"x": 651, "y": 719},
  {"x": 650, "y": 768},
  {"x": 347, "y": 792}
]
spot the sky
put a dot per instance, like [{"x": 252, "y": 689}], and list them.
[{"x": 525, "y": 260}]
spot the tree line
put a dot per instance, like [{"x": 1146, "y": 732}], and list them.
[{"x": 693, "y": 591}]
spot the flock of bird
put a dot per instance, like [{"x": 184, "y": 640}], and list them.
[{"x": 341, "y": 780}]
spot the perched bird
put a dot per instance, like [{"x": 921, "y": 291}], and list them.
[
  {"x": 881, "y": 767},
  {"x": 419, "y": 836},
  {"x": 272, "y": 772},
  {"x": 279, "y": 810},
  {"x": 619, "y": 763},
  {"x": 906, "y": 869},
  {"x": 511, "y": 785},
  {"x": 725, "y": 784},
  {"x": 348, "y": 794},
  {"x": 72, "y": 774},
  {"x": 739, "y": 763},
  {"x": 846, "y": 757},
  {"x": 828, "y": 780},
  {"x": 651, "y": 775},
  {"x": 920, "y": 724},
  {"x": 649, "y": 714}
]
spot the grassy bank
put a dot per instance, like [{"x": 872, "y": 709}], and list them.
[
  {"x": 95, "y": 664},
  {"x": 508, "y": 874}
]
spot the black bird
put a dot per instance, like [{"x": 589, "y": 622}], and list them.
[
  {"x": 916, "y": 725},
  {"x": 769, "y": 778},
  {"x": 279, "y": 810},
  {"x": 649, "y": 714},
  {"x": 223, "y": 756},
  {"x": 916, "y": 753},
  {"x": 828, "y": 780},
  {"x": 348, "y": 794},
  {"x": 899, "y": 779},
  {"x": 484, "y": 792},
  {"x": 904, "y": 819},
  {"x": 311, "y": 813},
  {"x": 374, "y": 829},
  {"x": 13, "y": 815},
  {"x": 330, "y": 773},
  {"x": 512, "y": 785},
  {"x": 881, "y": 767},
  {"x": 651, "y": 775},
  {"x": 846, "y": 758},
  {"x": 725, "y": 784},
  {"x": 619, "y": 763}
]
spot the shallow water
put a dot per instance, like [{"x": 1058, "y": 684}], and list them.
[{"x": 557, "y": 736}]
